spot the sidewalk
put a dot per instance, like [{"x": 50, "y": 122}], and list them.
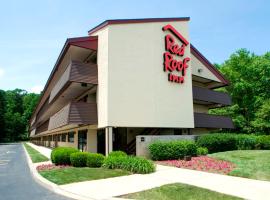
[{"x": 113, "y": 187}]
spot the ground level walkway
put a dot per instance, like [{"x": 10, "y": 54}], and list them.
[{"x": 113, "y": 187}]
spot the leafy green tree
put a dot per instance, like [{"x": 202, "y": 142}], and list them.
[
  {"x": 2, "y": 114},
  {"x": 16, "y": 107},
  {"x": 249, "y": 77}
]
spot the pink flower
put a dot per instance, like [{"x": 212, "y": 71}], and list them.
[{"x": 202, "y": 163}]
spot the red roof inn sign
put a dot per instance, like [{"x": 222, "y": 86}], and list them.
[{"x": 175, "y": 67}]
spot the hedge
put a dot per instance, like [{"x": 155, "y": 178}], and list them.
[
  {"x": 61, "y": 155},
  {"x": 219, "y": 142},
  {"x": 130, "y": 163},
  {"x": 78, "y": 159},
  {"x": 171, "y": 150},
  {"x": 95, "y": 160},
  {"x": 117, "y": 153}
]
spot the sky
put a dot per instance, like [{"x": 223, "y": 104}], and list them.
[{"x": 32, "y": 33}]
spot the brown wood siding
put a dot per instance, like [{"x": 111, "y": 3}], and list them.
[
  {"x": 84, "y": 73},
  {"x": 43, "y": 127},
  {"x": 83, "y": 113},
  {"x": 202, "y": 120},
  {"x": 60, "y": 118},
  {"x": 203, "y": 94},
  {"x": 42, "y": 110},
  {"x": 79, "y": 113}
]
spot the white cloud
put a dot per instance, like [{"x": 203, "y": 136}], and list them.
[
  {"x": 36, "y": 89},
  {"x": 2, "y": 72}
]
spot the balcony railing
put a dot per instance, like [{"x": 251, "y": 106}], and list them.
[
  {"x": 78, "y": 113},
  {"x": 211, "y": 97},
  {"x": 75, "y": 72},
  {"x": 203, "y": 120}
]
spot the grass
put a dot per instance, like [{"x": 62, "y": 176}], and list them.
[
  {"x": 252, "y": 164},
  {"x": 35, "y": 155},
  {"x": 72, "y": 174},
  {"x": 179, "y": 191}
]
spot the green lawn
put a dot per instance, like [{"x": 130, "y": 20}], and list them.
[
  {"x": 72, "y": 174},
  {"x": 254, "y": 164},
  {"x": 35, "y": 155},
  {"x": 179, "y": 191}
]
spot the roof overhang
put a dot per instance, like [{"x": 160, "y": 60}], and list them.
[
  {"x": 132, "y": 21},
  {"x": 210, "y": 66}
]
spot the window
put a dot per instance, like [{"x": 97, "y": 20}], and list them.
[
  {"x": 63, "y": 137},
  {"x": 58, "y": 138},
  {"x": 177, "y": 131},
  {"x": 71, "y": 136}
]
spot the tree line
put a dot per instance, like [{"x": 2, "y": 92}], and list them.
[{"x": 16, "y": 107}]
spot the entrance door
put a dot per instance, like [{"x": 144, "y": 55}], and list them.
[{"x": 82, "y": 140}]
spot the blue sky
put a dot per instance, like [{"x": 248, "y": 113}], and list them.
[{"x": 32, "y": 33}]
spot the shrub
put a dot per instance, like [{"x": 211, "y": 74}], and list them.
[
  {"x": 246, "y": 142},
  {"x": 263, "y": 142},
  {"x": 61, "y": 155},
  {"x": 78, "y": 159},
  {"x": 228, "y": 142},
  {"x": 117, "y": 153},
  {"x": 130, "y": 163},
  {"x": 172, "y": 150},
  {"x": 218, "y": 142},
  {"x": 201, "y": 151},
  {"x": 95, "y": 160}
]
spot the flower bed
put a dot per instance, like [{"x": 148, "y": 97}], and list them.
[
  {"x": 50, "y": 167},
  {"x": 202, "y": 163}
]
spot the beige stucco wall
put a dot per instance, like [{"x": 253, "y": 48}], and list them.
[
  {"x": 205, "y": 73},
  {"x": 92, "y": 140},
  {"x": 133, "y": 88},
  {"x": 102, "y": 89}
]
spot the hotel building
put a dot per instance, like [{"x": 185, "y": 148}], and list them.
[{"x": 127, "y": 78}]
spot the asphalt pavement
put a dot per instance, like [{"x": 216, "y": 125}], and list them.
[{"x": 16, "y": 181}]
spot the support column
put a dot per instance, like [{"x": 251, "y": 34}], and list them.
[{"x": 108, "y": 140}]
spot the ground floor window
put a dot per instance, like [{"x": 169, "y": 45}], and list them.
[
  {"x": 71, "y": 136},
  {"x": 63, "y": 137}
]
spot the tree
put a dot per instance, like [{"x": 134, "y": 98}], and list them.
[
  {"x": 249, "y": 77},
  {"x": 2, "y": 114},
  {"x": 16, "y": 107}
]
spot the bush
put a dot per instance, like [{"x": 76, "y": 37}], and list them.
[
  {"x": 95, "y": 160},
  {"x": 61, "y": 155},
  {"x": 246, "y": 142},
  {"x": 218, "y": 142},
  {"x": 117, "y": 153},
  {"x": 130, "y": 163},
  {"x": 172, "y": 150},
  {"x": 78, "y": 159},
  {"x": 201, "y": 151},
  {"x": 263, "y": 142},
  {"x": 229, "y": 142}
]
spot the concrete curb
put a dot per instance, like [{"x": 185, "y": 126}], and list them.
[{"x": 49, "y": 185}]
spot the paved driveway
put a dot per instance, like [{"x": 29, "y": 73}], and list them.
[{"x": 16, "y": 182}]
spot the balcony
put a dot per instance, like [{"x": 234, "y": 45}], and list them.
[
  {"x": 203, "y": 120},
  {"x": 41, "y": 127},
  {"x": 76, "y": 72},
  {"x": 211, "y": 98},
  {"x": 75, "y": 113}
]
